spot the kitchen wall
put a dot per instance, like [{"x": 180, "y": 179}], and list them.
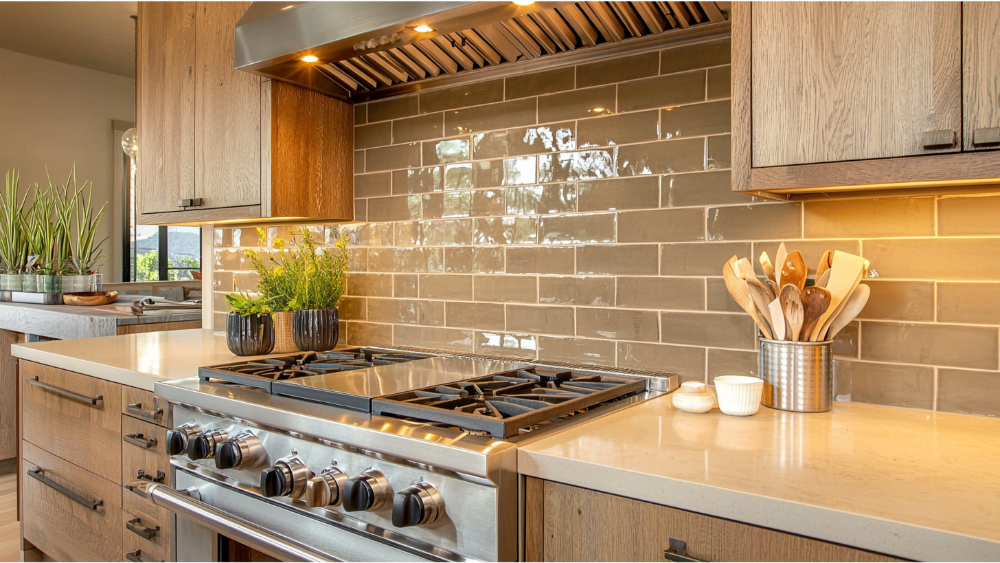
[
  {"x": 583, "y": 214},
  {"x": 54, "y": 114}
]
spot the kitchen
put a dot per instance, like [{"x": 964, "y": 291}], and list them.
[{"x": 547, "y": 197}]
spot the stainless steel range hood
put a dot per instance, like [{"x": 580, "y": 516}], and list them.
[{"x": 364, "y": 49}]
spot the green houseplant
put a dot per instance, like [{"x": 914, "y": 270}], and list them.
[
  {"x": 13, "y": 240},
  {"x": 276, "y": 287},
  {"x": 249, "y": 327}
]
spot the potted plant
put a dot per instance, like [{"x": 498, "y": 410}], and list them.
[
  {"x": 249, "y": 328},
  {"x": 319, "y": 278},
  {"x": 85, "y": 251},
  {"x": 13, "y": 242},
  {"x": 275, "y": 287}
]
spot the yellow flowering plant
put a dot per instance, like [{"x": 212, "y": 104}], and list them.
[{"x": 303, "y": 276}]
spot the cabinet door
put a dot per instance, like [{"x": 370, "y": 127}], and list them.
[
  {"x": 227, "y": 105},
  {"x": 165, "y": 81},
  {"x": 836, "y": 81},
  {"x": 981, "y": 53}
]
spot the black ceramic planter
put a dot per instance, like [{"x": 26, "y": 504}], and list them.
[
  {"x": 315, "y": 330},
  {"x": 251, "y": 335}
]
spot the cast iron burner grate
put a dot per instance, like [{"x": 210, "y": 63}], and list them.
[{"x": 503, "y": 404}]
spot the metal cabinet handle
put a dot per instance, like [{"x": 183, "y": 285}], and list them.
[
  {"x": 38, "y": 474},
  {"x": 135, "y": 526},
  {"x": 186, "y": 504},
  {"x": 135, "y": 556},
  {"x": 137, "y": 440},
  {"x": 940, "y": 139},
  {"x": 986, "y": 136},
  {"x": 678, "y": 552},
  {"x": 136, "y": 409},
  {"x": 92, "y": 401},
  {"x": 192, "y": 202}
]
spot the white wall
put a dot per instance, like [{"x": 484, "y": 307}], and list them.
[{"x": 54, "y": 114}]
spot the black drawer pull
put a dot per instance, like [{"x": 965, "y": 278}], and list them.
[
  {"x": 39, "y": 474},
  {"x": 135, "y": 526},
  {"x": 136, "y": 409},
  {"x": 191, "y": 202},
  {"x": 678, "y": 552},
  {"x": 135, "y": 556},
  {"x": 92, "y": 401},
  {"x": 137, "y": 440}
]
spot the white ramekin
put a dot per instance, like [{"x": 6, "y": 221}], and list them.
[{"x": 739, "y": 395}]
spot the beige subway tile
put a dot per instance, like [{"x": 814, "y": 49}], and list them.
[
  {"x": 699, "y": 259},
  {"x": 641, "y": 192},
  {"x": 575, "y": 104},
  {"x": 416, "y": 180},
  {"x": 503, "y": 172},
  {"x": 618, "y": 324},
  {"x": 361, "y": 210},
  {"x": 579, "y": 165},
  {"x": 223, "y": 281},
  {"x": 540, "y": 320},
  {"x": 699, "y": 55},
  {"x": 446, "y": 151},
  {"x": 517, "y": 289},
  {"x": 419, "y": 128},
  {"x": 597, "y": 291},
  {"x": 391, "y": 158},
  {"x": 360, "y": 114},
  {"x": 359, "y": 161},
  {"x": 608, "y": 130},
  {"x": 506, "y": 230},
  {"x": 434, "y": 233},
  {"x": 695, "y": 120},
  {"x": 394, "y": 208},
  {"x": 506, "y": 345},
  {"x": 708, "y": 329},
  {"x": 977, "y": 303},
  {"x": 582, "y": 351},
  {"x": 885, "y": 384},
  {"x": 551, "y": 137},
  {"x": 373, "y": 185},
  {"x": 731, "y": 362},
  {"x": 474, "y": 94},
  {"x": 447, "y": 287},
  {"x": 662, "y": 91},
  {"x": 368, "y": 234},
  {"x": 719, "y": 83},
  {"x": 661, "y": 293},
  {"x": 376, "y": 135},
  {"x": 847, "y": 343},
  {"x": 357, "y": 259},
  {"x": 222, "y": 238},
  {"x": 719, "y": 152},
  {"x": 219, "y": 320},
  {"x": 352, "y": 308},
  {"x": 488, "y": 260},
  {"x": 969, "y": 392},
  {"x": 406, "y": 260},
  {"x": 900, "y": 301},
  {"x": 433, "y": 338},
  {"x": 570, "y": 229},
  {"x": 968, "y": 216},
  {"x": 940, "y": 345},
  {"x": 532, "y": 200},
  {"x": 882, "y": 217},
  {"x": 607, "y": 71},
  {"x": 935, "y": 259},
  {"x": 633, "y": 259},
  {"x": 534, "y": 260},
  {"x": 373, "y": 285},
  {"x": 219, "y": 303},
  {"x": 392, "y": 108},
  {"x": 246, "y": 281},
  {"x": 404, "y": 285},
  {"x": 537, "y": 83},
  {"x": 812, "y": 250},
  {"x": 687, "y": 362},
  {"x": 484, "y": 316},
  {"x": 757, "y": 221},
  {"x": 662, "y": 225},
  {"x": 712, "y": 187},
  {"x": 368, "y": 334},
  {"x": 662, "y": 157},
  {"x": 400, "y": 311},
  {"x": 229, "y": 259},
  {"x": 458, "y": 260},
  {"x": 514, "y": 113},
  {"x": 718, "y": 298}
]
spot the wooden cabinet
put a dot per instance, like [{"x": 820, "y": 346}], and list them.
[
  {"x": 832, "y": 97},
  {"x": 566, "y": 523},
  {"x": 239, "y": 146}
]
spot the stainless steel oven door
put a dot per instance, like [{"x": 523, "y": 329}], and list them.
[{"x": 207, "y": 506}]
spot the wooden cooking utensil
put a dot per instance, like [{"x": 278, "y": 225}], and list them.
[
  {"x": 777, "y": 319},
  {"x": 845, "y": 273},
  {"x": 765, "y": 264},
  {"x": 779, "y": 259},
  {"x": 793, "y": 270},
  {"x": 791, "y": 305},
  {"x": 851, "y": 309},
  {"x": 774, "y": 287},
  {"x": 744, "y": 271},
  {"x": 815, "y": 302},
  {"x": 761, "y": 297},
  {"x": 823, "y": 279},
  {"x": 824, "y": 263},
  {"x": 740, "y": 291}
]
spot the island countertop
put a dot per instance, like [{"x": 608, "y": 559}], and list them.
[
  {"x": 914, "y": 484},
  {"x": 68, "y": 321}
]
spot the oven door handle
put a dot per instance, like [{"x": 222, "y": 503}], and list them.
[{"x": 189, "y": 505}]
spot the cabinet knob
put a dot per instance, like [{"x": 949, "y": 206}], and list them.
[
  {"x": 941, "y": 139},
  {"x": 986, "y": 136},
  {"x": 193, "y": 202}
]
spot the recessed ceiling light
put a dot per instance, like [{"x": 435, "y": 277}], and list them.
[
  {"x": 524, "y": 2},
  {"x": 423, "y": 28},
  {"x": 310, "y": 59}
]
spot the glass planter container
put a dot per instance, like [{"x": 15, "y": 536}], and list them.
[
  {"x": 10, "y": 282},
  {"x": 50, "y": 283},
  {"x": 29, "y": 283},
  {"x": 315, "y": 330},
  {"x": 76, "y": 283},
  {"x": 251, "y": 335}
]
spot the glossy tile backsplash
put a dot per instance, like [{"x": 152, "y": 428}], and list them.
[{"x": 583, "y": 215}]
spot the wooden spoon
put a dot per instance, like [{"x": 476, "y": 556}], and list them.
[
  {"x": 851, "y": 309},
  {"x": 777, "y": 319},
  {"x": 744, "y": 270},
  {"x": 761, "y": 297},
  {"x": 823, "y": 279},
  {"x": 791, "y": 305},
  {"x": 825, "y": 262},
  {"x": 740, "y": 291},
  {"x": 845, "y": 273},
  {"x": 779, "y": 259},
  {"x": 815, "y": 302},
  {"x": 774, "y": 287},
  {"x": 793, "y": 270},
  {"x": 765, "y": 264}
]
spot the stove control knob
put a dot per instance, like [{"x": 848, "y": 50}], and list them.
[
  {"x": 366, "y": 491},
  {"x": 416, "y": 506},
  {"x": 326, "y": 489},
  {"x": 177, "y": 439},
  {"x": 287, "y": 477},
  {"x": 203, "y": 445},
  {"x": 243, "y": 451}
]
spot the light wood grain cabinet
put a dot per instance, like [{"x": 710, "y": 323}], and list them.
[
  {"x": 981, "y": 49},
  {"x": 566, "y": 523}
]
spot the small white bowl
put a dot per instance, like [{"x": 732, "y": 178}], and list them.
[
  {"x": 693, "y": 396},
  {"x": 739, "y": 395}
]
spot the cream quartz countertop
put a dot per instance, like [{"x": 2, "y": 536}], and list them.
[
  {"x": 136, "y": 360},
  {"x": 914, "y": 484}
]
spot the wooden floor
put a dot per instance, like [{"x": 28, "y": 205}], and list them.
[{"x": 10, "y": 530}]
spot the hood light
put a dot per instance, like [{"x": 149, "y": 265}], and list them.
[
  {"x": 310, "y": 59},
  {"x": 423, "y": 29},
  {"x": 524, "y": 2}
]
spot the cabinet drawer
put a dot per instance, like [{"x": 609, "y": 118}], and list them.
[
  {"x": 73, "y": 416},
  {"x": 59, "y": 515},
  {"x": 157, "y": 548},
  {"x": 144, "y": 449},
  {"x": 142, "y": 405}
]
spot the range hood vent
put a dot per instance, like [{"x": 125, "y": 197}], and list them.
[{"x": 368, "y": 49}]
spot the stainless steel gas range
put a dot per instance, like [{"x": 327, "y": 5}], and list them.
[{"x": 367, "y": 454}]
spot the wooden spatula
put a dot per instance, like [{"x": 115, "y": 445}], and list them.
[
  {"x": 815, "y": 302},
  {"x": 791, "y": 305},
  {"x": 793, "y": 270},
  {"x": 740, "y": 291},
  {"x": 744, "y": 270},
  {"x": 777, "y": 319},
  {"x": 851, "y": 309},
  {"x": 761, "y": 297},
  {"x": 845, "y": 273},
  {"x": 824, "y": 263},
  {"x": 779, "y": 259},
  {"x": 823, "y": 279},
  {"x": 765, "y": 264}
]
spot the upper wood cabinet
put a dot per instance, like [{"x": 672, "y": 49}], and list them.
[
  {"x": 220, "y": 144},
  {"x": 832, "y": 97}
]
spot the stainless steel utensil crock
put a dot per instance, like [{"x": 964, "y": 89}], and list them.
[{"x": 798, "y": 376}]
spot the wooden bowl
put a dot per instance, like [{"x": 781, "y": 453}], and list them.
[{"x": 90, "y": 298}]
